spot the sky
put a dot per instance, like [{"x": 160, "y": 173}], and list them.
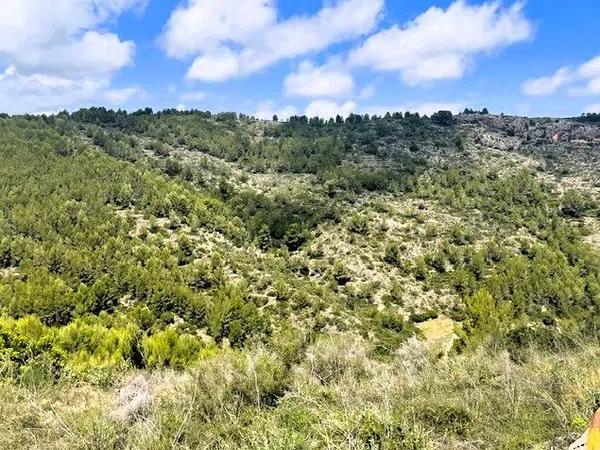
[{"x": 313, "y": 57}]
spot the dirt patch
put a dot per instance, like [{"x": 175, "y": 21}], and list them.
[{"x": 439, "y": 333}]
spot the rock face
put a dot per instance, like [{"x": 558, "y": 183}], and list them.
[
  {"x": 133, "y": 400},
  {"x": 539, "y": 129}
]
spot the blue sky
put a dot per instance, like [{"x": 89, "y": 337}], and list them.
[{"x": 314, "y": 57}]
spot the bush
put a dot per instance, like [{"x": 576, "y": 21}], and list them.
[
  {"x": 167, "y": 348},
  {"x": 294, "y": 237},
  {"x": 86, "y": 344},
  {"x": 261, "y": 378},
  {"x": 230, "y": 316},
  {"x": 443, "y": 118},
  {"x": 359, "y": 224},
  {"x": 25, "y": 338},
  {"x": 575, "y": 204},
  {"x": 392, "y": 254}
]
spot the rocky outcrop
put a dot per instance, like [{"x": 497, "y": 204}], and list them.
[{"x": 537, "y": 130}]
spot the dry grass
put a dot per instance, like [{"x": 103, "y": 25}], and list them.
[{"x": 334, "y": 397}]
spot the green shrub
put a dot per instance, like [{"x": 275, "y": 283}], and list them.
[
  {"x": 392, "y": 254},
  {"x": 167, "y": 348},
  {"x": 25, "y": 338},
  {"x": 230, "y": 316},
  {"x": 87, "y": 344},
  {"x": 576, "y": 204},
  {"x": 359, "y": 224}
]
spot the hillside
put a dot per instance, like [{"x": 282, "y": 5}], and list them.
[{"x": 191, "y": 280}]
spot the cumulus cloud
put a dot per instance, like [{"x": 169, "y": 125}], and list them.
[
  {"x": 93, "y": 54},
  {"x": 591, "y": 68},
  {"x": 217, "y": 65},
  {"x": 548, "y": 85},
  {"x": 244, "y": 37},
  {"x": 442, "y": 44},
  {"x": 583, "y": 80},
  {"x": 266, "y": 110},
  {"x": 42, "y": 92},
  {"x": 328, "y": 108},
  {"x": 59, "y": 53},
  {"x": 589, "y": 73},
  {"x": 202, "y": 25},
  {"x": 323, "y": 81},
  {"x": 61, "y": 36}
]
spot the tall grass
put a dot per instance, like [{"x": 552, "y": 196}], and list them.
[{"x": 329, "y": 395}]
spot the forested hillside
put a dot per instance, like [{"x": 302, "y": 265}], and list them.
[{"x": 197, "y": 280}]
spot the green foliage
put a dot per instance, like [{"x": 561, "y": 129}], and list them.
[
  {"x": 137, "y": 250},
  {"x": 170, "y": 349},
  {"x": 589, "y": 117},
  {"x": 486, "y": 316},
  {"x": 230, "y": 316},
  {"x": 130, "y": 242},
  {"x": 358, "y": 223},
  {"x": 443, "y": 118},
  {"x": 282, "y": 219},
  {"x": 392, "y": 254},
  {"x": 575, "y": 204},
  {"x": 87, "y": 344}
]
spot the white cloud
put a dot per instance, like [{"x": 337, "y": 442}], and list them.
[
  {"x": 41, "y": 92},
  {"x": 33, "y": 23},
  {"x": 203, "y": 25},
  {"x": 583, "y": 80},
  {"x": 266, "y": 110},
  {"x": 119, "y": 97},
  {"x": 327, "y": 108},
  {"x": 61, "y": 36},
  {"x": 60, "y": 53},
  {"x": 590, "y": 88},
  {"x": 244, "y": 37},
  {"x": 193, "y": 96},
  {"x": 94, "y": 54},
  {"x": 548, "y": 85},
  {"x": 590, "y": 73},
  {"x": 324, "y": 81},
  {"x": 593, "y": 108},
  {"x": 215, "y": 66},
  {"x": 590, "y": 69},
  {"x": 441, "y": 44}
]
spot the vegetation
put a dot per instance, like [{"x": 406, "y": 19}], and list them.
[{"x": 285, "y": 284}]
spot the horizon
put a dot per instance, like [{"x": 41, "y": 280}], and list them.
[{"x": 239, "y": 115}]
